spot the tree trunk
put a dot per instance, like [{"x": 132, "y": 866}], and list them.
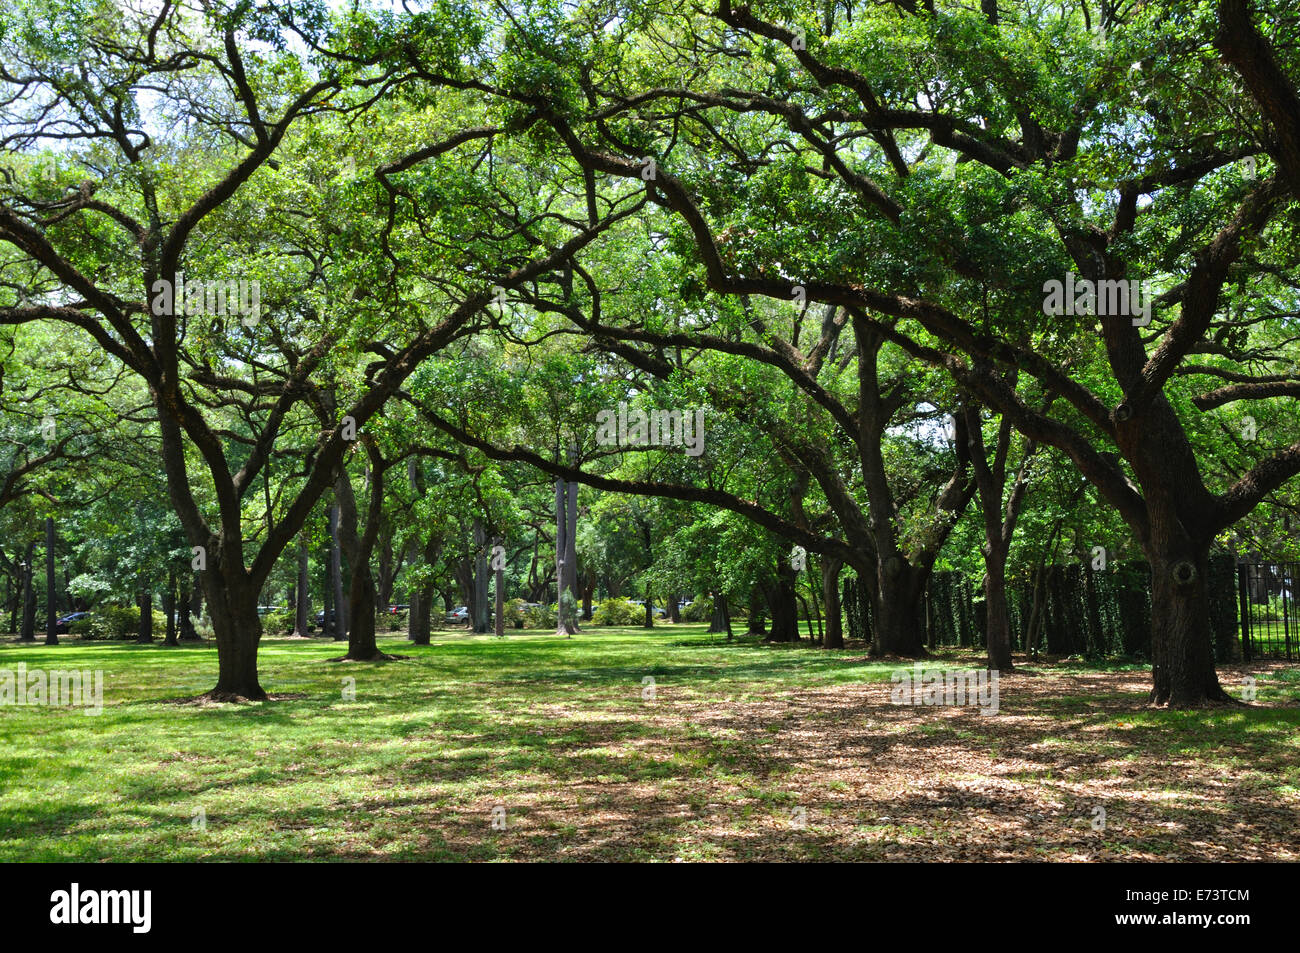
[
  {"x": 169, "y": 608},
  {"x": 499, "y": 585},
  {"x": 571, "y": 546},
  {"x": 51, "y": 602},
  {"x": 1182, "y": 641},
  {"x": 336, "y": 622},
  {"x": 563, "y": 617},
  {"x": 237, "y": 629},
  {"x": 302, "y": 604},
  {"x": 900, "y": 616},
  {"x": 479, "y": 607},
  {"x": 998, "y": 615},
  {"x": 28, "y": 633},
  {"x": 144, "y": 633},
  {"x": 362, "y": 646},
  {"x": 783, "y": 607},
  {"x": 757, "y": 611},
  {"x": 833, "y": 636},
  {"x": 192, "y": 605}
]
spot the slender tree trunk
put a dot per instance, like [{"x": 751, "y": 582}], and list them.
[
  {"x": 28, "y": 633},
  {"x": 169, "y": 608},
  {"x": 51, "y": 601},
  {"x": 833, "y": 637},
  {"x": 358, "y": 545},
  {"x": 479, "y": 607},
  {"x": 499, "y": 585},
  {"x": 571, "y": 545},
  {"x": 302, "y": 604},
  {"x": 564, "y": 623},
  {"x": 757, "y": 611},
  {"x": 191, "y": 606},
  {"x": 336, "y": 623}
]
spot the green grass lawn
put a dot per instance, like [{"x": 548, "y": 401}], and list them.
[{"x": 745, "y": 751}]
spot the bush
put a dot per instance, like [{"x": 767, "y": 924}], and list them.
[
  {"x": 619, "y": 612},
  {"x": 701, "y": 610},
  {"x": 515, "y": 616},
  {"x": 541, "y": 617},
  {"x": 396, "y": 621},
  {"x": 115, "y": 622},
  {"x": 277, "y": 623}
]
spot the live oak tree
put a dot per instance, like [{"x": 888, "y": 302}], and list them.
[
  {"x": 933, "y": 199},
  {"x": 103, "y": 228}
]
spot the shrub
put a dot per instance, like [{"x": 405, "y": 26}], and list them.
[
  {"x": 514, "y": 613},
  {"x": 277, "y": 623},
  {"x": 701, "y": 610},
  {"x": 396, "y": 621},
  {"x": 115, "y": 622},
  {"x": 619, "y": 612},
  {"x": 541, "y": 617}
]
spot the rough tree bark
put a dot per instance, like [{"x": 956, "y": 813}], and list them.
[
  {"x": 336, "y": 622},
  {"x": 169, "y": 608},
  {"x": 28, "y": 632},
  {"x": 51, "y": 602},
  {"x": 833, "y": 636},
  {"x": 302, "y": 602}
]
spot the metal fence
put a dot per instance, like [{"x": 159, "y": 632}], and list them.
[
  {"x": 1073, "y": 610},
  {"x": 1266, "y": 610}
]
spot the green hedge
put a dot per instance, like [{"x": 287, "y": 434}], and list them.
[
  {"x": 619, "y": 612},
  {"x": 115, "y": 622}
]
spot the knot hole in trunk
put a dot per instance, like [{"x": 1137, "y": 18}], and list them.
[{"x": 1183, "y": 572}]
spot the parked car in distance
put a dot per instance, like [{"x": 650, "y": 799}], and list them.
[
  {"x": 319, "y": 620},
  {"x": 267, "y": 610},
  {"x": 458, "y": 614},
  {"x": 398, "y": 607},
  {"x": 61, "y": 625}
]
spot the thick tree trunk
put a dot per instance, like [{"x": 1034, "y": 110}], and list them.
[
  {"x": 362, "y": 646},
  {"x": 1182, "y": 654},
  {"x": 302, "y": 604},
  {"x": 998, "y": 615},
  {"x": 144, "y": 633},
  {"x": 237, "y": 629},
  {"x": 718, "y": 619},
  {"x": 833, "y": 636},
  {"x": 51, "y": 602},
  {"x": 783, "y": 608},
  {"x": 900, "y": 612}
]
